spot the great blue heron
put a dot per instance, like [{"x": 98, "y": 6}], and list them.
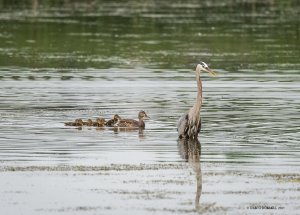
[{"x": 189, "y": 124}]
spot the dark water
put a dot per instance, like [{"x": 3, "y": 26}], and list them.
[{"x": 64, "y": 60}]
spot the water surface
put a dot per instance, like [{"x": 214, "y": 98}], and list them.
[{"x": 63, "y": 60}]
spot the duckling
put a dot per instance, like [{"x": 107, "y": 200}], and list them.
[
  {"x": 78, "y": 122},
  {"x": 133, "y": 123},
  {"x": 100, "y": 122},
  {"x": 69, "y": 123},
  {"x": 113, "y": 121},
  {"x": 89, "y": 122}
]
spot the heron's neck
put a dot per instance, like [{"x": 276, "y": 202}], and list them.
[{"x": 198, "y": 102}]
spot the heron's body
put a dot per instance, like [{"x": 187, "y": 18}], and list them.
[{"x": 189, "y": 124}]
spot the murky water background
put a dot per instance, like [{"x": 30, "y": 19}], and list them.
[{"x": 65, "y": 60}]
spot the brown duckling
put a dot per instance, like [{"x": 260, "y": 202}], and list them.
[
  {"x": 78, "y": 122},
  {"x": 100, "y": 122},
  {"x": 133, "y": 123},
  {"x": 112, "y": 122},
  {"x": 69, "y": 123},
  {"x": 89, "y": 122}
]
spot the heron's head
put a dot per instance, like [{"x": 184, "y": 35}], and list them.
[
  {"x": 203, "y": 67},
  {"x": 142, "y": 115}
]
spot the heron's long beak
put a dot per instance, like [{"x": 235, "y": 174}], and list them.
[{"x": 212, "y": 73}]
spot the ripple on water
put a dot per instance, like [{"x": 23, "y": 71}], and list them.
[{"x": 244, "y": 119}]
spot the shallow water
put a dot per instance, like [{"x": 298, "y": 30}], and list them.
[{"x": 65, "y": 60}]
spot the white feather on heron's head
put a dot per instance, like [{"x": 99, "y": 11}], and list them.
[{"x": 202, "y": 66}]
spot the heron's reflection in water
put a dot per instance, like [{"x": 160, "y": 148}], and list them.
[{"x": 190, "y": 151}]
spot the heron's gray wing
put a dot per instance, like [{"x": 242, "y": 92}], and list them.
[
  {"x": 182, "y": 125},
  {"x": 199, "y": 127}
]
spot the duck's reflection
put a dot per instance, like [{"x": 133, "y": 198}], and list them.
[
  {"x": 140, "y": 131},
  {"x": 190, "y": 151}
]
